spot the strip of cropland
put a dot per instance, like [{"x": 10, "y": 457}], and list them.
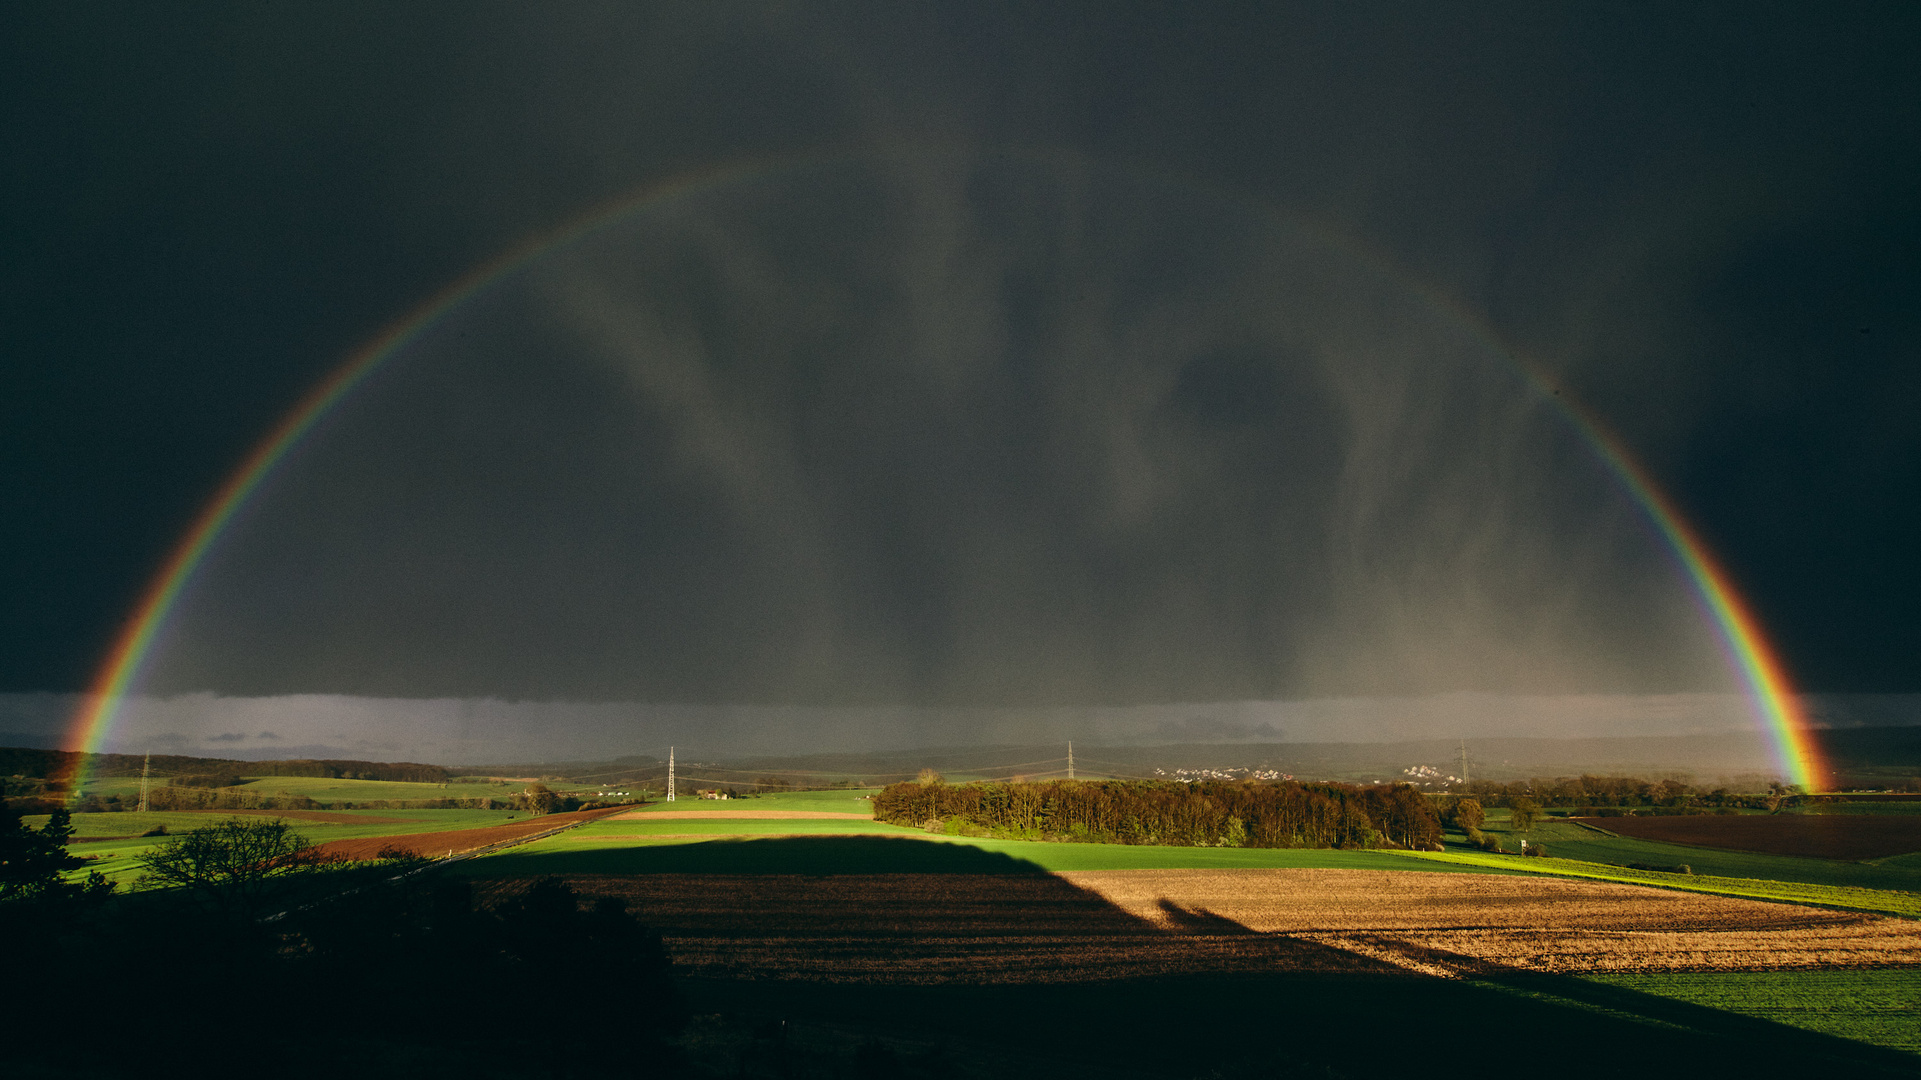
[
  {"x": 1885, "y": 901},
  {"x": 1820, "y": 836}
]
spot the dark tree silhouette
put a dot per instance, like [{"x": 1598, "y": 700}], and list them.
[
  {"x": 34, "y": 863},
  {"x": 231, "y": 865}
]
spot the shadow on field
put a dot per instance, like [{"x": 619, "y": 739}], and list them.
[
  {"x": 985, "y": 965},
  {"x": 818, "y": 855},
  {"x": 1238, "y": 1025}
]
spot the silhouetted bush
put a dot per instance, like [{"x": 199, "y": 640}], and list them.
[{"x": 432, "y": 977}]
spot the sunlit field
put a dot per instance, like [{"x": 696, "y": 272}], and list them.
[{"x": 113, "y": 842}]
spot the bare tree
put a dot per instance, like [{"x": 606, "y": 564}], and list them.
[{"x": 231, "y": 864}]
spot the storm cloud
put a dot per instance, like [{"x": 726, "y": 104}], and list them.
[
  {"x": 977, "y": 358},
  {"x": 943, "y": 428}
]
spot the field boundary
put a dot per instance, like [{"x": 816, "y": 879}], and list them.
[
  {"x": 1589, "y": 827},
  {"x": 475, "y": 853},
  {"x": 1842, "y": 897}
]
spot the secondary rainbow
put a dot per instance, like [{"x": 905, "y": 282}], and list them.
[{"x": 1759, "y": 667}]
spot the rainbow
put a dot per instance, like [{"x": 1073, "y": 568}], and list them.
[
  {"x": 1781, "y": 713},
  {"x": 1759, "y": 667}
]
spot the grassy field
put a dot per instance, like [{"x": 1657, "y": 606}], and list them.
[
  {"x": 116, "y": 857},
  {"x": 1885, "y": 901},
  {"x": 326, "y": 789},
  {"x": 127, "y": 787},
  {"x": 1572, "y": 841},
  {"x": 1882, "y": 1008}
]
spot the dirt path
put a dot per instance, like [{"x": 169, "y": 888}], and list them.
[{"x": 453, "y": 841}]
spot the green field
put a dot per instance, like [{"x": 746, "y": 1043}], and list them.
[
  {"x": 1878, "y": 1007},
  {"x": 127, "y": 787},
  {"x": 1564, "y": 838},
  {"x": 116, "y": 857},
  {"x": 327, "y": 789}
]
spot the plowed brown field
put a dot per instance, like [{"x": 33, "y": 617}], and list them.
[
  {"x": 1127, "y": 923},
  {"x": 434, "y": 844},
  {"x": 1820, "y": 836}
]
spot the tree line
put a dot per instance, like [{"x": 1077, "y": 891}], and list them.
[
  {"x": 1289, "y": 814},
  {"x": 404, "y": 771}
]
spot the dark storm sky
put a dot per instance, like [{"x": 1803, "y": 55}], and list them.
[{"x": 1704, "y": 220}]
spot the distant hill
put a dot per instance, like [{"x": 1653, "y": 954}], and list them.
[
  {"x": 1862, "y": 756},
  {"x": 42, "y": 764},
  {"x": 584, "y": 770}
]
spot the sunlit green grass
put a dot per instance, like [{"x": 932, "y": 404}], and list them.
[
  {"x": 1878, "y": 1007},
  {"x": 328, "y": 789},
  {"x": 118, "y": 858}
]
